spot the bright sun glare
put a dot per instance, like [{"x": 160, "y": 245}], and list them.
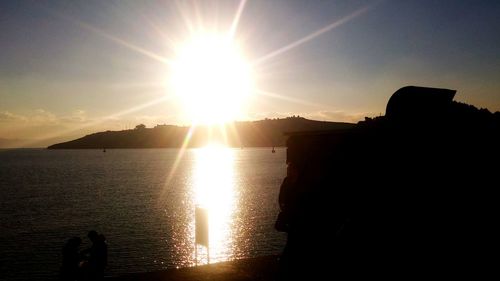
[{"x": 211, "y": 78}]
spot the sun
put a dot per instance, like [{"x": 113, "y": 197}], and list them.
[{"x": 211, "y": 78}]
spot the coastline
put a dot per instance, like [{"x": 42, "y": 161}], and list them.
[{"x": 262, "y": 268}]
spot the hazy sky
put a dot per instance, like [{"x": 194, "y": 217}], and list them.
[{"x": 68, "y": 68}]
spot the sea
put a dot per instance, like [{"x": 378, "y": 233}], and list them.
[{"x": 142, "y": 200}]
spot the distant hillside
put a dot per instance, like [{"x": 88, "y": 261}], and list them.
[{"x": 264, "y": 133}]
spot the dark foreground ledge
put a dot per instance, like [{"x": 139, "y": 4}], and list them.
[{"x": 261, "y": 268}]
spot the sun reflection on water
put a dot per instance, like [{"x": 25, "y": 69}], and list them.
[{"x": 214, "y": 191}]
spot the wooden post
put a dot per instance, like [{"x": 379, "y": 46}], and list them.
[{"x": 195, "y": 254}]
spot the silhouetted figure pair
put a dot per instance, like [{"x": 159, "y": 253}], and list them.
[
  {"x": 97, "y": 257},
  {"x": 88, "y": 264}
]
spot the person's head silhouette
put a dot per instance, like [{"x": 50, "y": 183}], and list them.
[
  {"x": 93, "y": 236},
  {"x": 73, "y": 243}
]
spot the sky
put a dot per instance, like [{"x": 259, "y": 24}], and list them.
[{"x": 70, "y": 68}]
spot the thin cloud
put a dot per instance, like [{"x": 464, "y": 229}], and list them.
[
  {"x": 44, "y": 117},
  {"x": 6, "y": 116},
  {"x": 40, "y": 123},
  {"x": 77, "y": 116},
  {"x": 338, "y": 116}
]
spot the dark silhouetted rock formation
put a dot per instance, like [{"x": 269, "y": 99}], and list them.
[{"x": 410, "y": 193}]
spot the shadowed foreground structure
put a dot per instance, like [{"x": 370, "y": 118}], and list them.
[{"x": 409, "y": 193}]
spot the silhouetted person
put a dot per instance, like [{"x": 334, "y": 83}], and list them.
[
  {"x": 71, "y": 259},
  {"x": 97, "y": 256}
]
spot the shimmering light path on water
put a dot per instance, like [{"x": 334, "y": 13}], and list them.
[{"x": 49, "y": 196}]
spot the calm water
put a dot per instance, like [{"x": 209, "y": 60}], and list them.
[{"x": 143, "y": 202}]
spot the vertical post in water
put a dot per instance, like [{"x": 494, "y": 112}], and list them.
[
  {"x": 195, "y": 253},
  {"x": 201, "y": 231}
]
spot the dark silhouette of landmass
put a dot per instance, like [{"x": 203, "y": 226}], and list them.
[
  {"x": 412, "y": 193},
  {"x": 264, "y": 133}
]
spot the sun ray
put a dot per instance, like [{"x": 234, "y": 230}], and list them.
[
  {"x": 180, "y": 154},
  {"x": 234, "y": 133},
  {"x": 168, "y": 41},
  {"x": 222, "y": 130},
  {"x": 289, "y": 99},
  {"x": 97, "y": 122},
  {"x": 236, "y": 20},
  {"x": 136, "y": 85},
  {"x": 124, "y": 43},
  {"x": 184, "y": 16},
  {"x": 315, "y": 34},
  {"x": 199, "y": 17},
  {"x": 257, "y": 130},
  {"x": 113, "y": 38}
]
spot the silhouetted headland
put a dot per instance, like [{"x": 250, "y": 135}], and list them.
[
  {"x": 406, "y": 194},
  {"x": 264, "y": 133}
]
